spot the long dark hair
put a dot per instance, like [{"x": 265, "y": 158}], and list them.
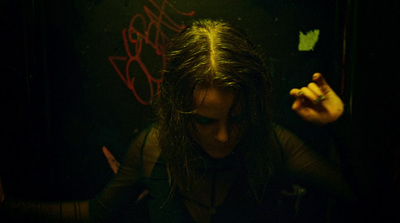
[{"x": 214, "y": 53}]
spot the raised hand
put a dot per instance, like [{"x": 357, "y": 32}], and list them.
[{"x": 317, "y": 102}]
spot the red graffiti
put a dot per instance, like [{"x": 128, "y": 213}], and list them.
[{"x": 153, "y": 33}]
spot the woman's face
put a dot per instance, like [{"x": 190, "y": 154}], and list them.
[{"x": 218, "y": 121}]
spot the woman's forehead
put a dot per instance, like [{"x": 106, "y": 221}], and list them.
[{"x": 216, "y": 98}]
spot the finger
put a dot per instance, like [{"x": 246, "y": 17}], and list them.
[
  {"x": 317, "y": 91},
  {"x": 310, "y": 95},
  {"x": 107, "y": 153},
  {"x": 320, "y": 80},
  {"x": 114, "y": 164},
  {"x": 142, "y": 195},
  {"x": 295, "y": 92},
  {"x": 298, "y": 95}
]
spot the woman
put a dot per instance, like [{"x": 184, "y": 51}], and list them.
[{"x": 215, "y": 155}]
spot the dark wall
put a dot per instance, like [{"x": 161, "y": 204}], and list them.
[
  {"x": 69, "y": 68},
  {"x": 376, "y": 95}
]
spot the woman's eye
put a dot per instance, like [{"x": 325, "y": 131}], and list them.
[{"x": 203, "y": 120}]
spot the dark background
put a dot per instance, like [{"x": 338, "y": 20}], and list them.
[{"x": 63, "y": 99}]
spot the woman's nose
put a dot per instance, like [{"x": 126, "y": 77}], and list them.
[{"x": 222, "y": 134}]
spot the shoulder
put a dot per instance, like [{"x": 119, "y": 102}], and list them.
[
  {"x": 147, "y": 138},
  {"x": 151, "y": 149},
  {"x": 284, "y": 135},
  {"x": 144, "y": 151}
]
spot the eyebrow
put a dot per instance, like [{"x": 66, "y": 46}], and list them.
[{"x": 236, "y": 117}]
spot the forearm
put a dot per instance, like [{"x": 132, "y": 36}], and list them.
[{"x": 13, "y": 210}]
